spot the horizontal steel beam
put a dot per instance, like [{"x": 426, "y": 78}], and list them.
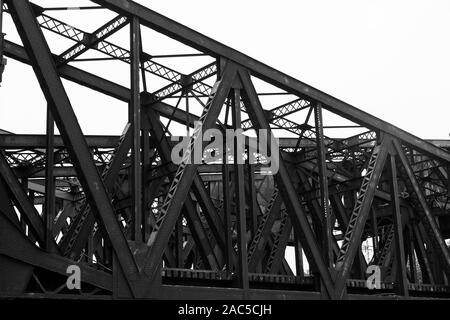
[
  {"x": 179, "y": 292},
  {"x": 58, "y": 193},
  {"x": 34, "y": 141},
  {"x": 23, "y": 141}
]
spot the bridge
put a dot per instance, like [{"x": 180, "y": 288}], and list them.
[{"x": 304, "y": 225}]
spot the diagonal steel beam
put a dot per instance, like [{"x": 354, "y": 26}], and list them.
[
  {"x": 85, "y": 41},
  {"x": 298, "y": 216},
  {"x": 51, "y": 84},
  {"x": 185, "y": 175},
  {"x": 25, "y": 206},
  {"x": 214, "y": 220},
  {"x": 89, "y": 41},
  {"x": 422, "y": 255},
  {"x": 75, "y": 240},
  {"x": 279, "y": 245},
  {"x": 282, "y": 111},
  {"x": 436, "y": 234},
  {"x": 355, "y": 228},
  {"x": 14, "y": 244},
  {"x": 198, "y": 232},
  {"x": 6, "y": 205},
  {"x": 258, "y": 244}
]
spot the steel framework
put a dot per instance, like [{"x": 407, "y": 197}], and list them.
[{"x": 140, "y": 226}]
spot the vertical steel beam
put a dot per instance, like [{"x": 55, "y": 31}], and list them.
[
  {"x": 402, "y": 284},
  {"x": 299, "y": 269},
  {"x": 374, "y": 225},
  {"x": 145, "y": 142},
  {"x": 240, "y": 194},
  {"x": 227, "y": 198},
  {"x": 179, "y": 241},
  {"x": 323, "y": 183},
  {"x": 135, "y": 120},
  {"x": 24, "y": 183},
  {"x": 49, "y": 181},
  {"x": 51, "y": 84},
  {"x": 253, "y": 205}
]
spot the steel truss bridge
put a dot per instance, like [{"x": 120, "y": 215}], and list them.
[{"x": 139, "y": 226}]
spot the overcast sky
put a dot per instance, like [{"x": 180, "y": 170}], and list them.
[{"x": 389, "y": 58}]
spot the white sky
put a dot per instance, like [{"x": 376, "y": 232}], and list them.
[{"x": 389, "y": 58}]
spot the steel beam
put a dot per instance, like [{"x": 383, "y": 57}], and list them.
[
  {"x": 239, "y": 196},
  {"x": 14, "y": 244},
  {"x": 32, "y": 141},
  {"x": 323, "y": 184},
  {"x": 25, "y": 206},
  {"x": 298, "y": 216},
  {"x": 194, "y": 222},
  {"x": 76, "y": 237},
  {"x": 180, "y": 187},
  {"x": 135, "y": 121},
  {"x": 199, "y": 234},
  {"x": 278, "y": 249},
  {"x": 352, "y": 240},
  {"x": 258, "y": 244},
  {"x": 402, "y": 284},
  {"x": 49, "y": 182},
  {"x": 421, "y": 253},
  {"x": 107, "y": 30},
  {"x": 428, "y": 215}
]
